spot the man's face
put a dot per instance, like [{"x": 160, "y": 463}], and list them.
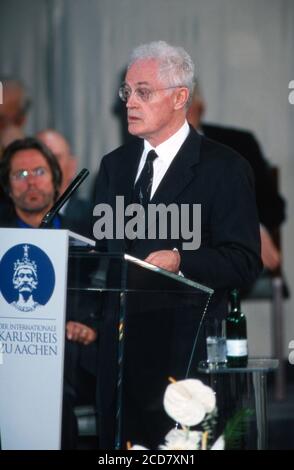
[
  {"x": 157, "y": 119},
  {"x": 24, "y": 280},
  {"x": 35, "y": 193},
  {"x": 58, "y": 145}
]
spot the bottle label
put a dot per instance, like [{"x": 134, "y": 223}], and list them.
[{"x": 237, "y": 347}]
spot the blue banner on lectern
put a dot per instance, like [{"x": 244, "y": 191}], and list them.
[{"x": 33, "y": 279}]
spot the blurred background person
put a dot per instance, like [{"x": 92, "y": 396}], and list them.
[
  {"x": 77, "y": 211},
  {"x": 271, "y": 205},
  {"x": 58, "y": 145},
  {"x": 13, "y": 111},
  {"x": 13, "y": 115},
  {"x": 30, "y": 177}
]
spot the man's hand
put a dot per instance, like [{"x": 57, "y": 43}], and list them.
[
  {"x": 165, "y": 259},
  {"x": 79, "y": 332},
  {"x": 270, "y": 255}
]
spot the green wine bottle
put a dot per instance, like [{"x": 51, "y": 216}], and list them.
[{"x": 236, "y": 332}]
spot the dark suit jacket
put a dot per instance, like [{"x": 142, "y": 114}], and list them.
[
  {"x": 206, "y": 173},
  {"x": 78, "y": 216},
  {"x": 203, "y": 172},
  {"x": 271, "y": 205}
]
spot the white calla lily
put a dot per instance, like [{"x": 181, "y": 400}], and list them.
[
  {"x": 138, "y": 447},
  {"x": 188, "y": 401}
]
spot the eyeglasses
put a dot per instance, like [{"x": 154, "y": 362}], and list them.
[
  {"x": 143, "y": 93},
  {"x": 22, "y": 175}
]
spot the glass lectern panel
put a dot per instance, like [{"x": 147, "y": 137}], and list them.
[{"x": 154, "y": 318}]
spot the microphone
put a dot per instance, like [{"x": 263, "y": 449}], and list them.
[{"x": 73, "y": 186}]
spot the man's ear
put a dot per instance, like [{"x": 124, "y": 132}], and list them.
[{"x": 181, "y": 97}]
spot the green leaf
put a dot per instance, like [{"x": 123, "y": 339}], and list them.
[{"x": 236, "y": 427}]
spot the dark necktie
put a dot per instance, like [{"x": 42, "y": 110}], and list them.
[{"x": 142, "y": 188}]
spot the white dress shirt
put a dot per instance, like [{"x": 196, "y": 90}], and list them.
[{"x": 166, "y": 153}]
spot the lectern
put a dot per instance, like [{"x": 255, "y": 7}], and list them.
[
  {"x": 33, "y": 274},
  {"x": 157, "y": 317}
]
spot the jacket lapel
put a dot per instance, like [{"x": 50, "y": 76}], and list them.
[
  {"x": 124, "y": 183},
  {"x": 181, "y": 171},
  {"x": 126, "y": 175}
]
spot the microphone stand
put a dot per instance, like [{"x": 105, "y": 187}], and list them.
[{"x": 47, "y": 219}]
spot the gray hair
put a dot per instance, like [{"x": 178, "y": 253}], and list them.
[{"x": 176, "y": 67}]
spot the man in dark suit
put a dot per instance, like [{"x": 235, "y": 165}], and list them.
[
  {"x": 183, "y": 168},
  {"x": 270, "y": 204}
]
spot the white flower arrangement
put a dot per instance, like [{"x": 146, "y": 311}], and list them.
[
  {"x": 189, "y": 403},
  {"x": 182, "y": 439}
]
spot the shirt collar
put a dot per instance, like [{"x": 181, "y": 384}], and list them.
[
  {"x": 56, "y": 223},
  {"x": 171, "y": 146}
]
